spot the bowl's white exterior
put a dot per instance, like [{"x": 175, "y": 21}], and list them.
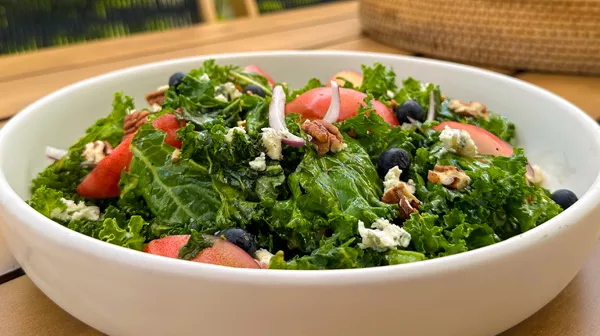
[{"x": 483, "y": 292}]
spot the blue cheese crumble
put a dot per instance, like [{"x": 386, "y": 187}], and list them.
[
  {"x": 272, "y": 141},
  {"x": 382, "y": 236},
  {"x": 259, "y": 163},
  {"x": 458, "y": 141},
  {"x": 76, "y": 211}
]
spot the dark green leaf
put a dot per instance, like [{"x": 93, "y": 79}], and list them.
[{"x": 195, "y": 245}]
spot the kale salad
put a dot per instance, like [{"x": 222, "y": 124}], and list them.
[{"x": 228, "y": 167}]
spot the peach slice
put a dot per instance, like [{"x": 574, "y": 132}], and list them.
[
  {"x": 353, "y": 77},
  {"x": 221, "y": 253},
  {"x": 313, "y": 104},
  {"x": 487, "y": 143}
]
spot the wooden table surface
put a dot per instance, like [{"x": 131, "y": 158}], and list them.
[{"x": 24, "y": 310}]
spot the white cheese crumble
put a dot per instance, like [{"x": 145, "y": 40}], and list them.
[
  {"x": 228, "y": 90},
  {"x": 390, "y": 94},
  {"x": 272, "y": 141},
  {"x": 392, "y": 178},
  {"x": 263, "y": 256},
  {"x": 94, "y": 152},
  {"x": 221, "y": 97},
  {"x": 382, "y": 236},
  {"x": 231, "y": 131},
  {"x": 76, "y": 211},
  {"x": 162, "y": 88},
  {"x": 458, "y": 141},
  {"x": 156, "y": 108},
  {"x": 204, "y": 77},
  {"x": 259, "y": 163}
]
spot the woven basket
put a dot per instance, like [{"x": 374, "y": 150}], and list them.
[{"x": 543, "y": 35}]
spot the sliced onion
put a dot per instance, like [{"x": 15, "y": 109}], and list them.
[
  {"x": 333, "y": 113},
  {"x": 277, "y": 110},
  {"x": 412, "y": 120},
  {"x": 277, "y": 118},
  {"x": 294, "y": 141},
  {"x": 431, "y": 112},
  {"x": 54, "y": 153}
]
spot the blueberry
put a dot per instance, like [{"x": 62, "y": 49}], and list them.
[
  {"x": 394, "y": 157},
  {"x": 255, "y": 89},
  {"x": 410, "y": 108},
  {"x": 241, "y": 238},
  {"x": 565, "y": 198},
  {"x": 176, "y": 79}
]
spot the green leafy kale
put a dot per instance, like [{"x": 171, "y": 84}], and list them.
[
  {"x": 313, "y": 83},
  {"x": 175, "y": 192},
  {"x": 113, "y": 226},
  {"x": 195, "y": 245},
  {"x": 413, "y": 89},
  {"x": 378, "y": 81}
]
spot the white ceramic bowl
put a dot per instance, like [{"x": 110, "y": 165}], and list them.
[{"x": 483, "y": 292}]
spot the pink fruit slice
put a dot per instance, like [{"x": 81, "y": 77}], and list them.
[
  {"x": 313, "y": 104},
  {"x": 221, "y": 253},
  {"x": 487, "y": 143},
  {"x": 353, "y": 77}
]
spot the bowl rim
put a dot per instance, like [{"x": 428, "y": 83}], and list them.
[{"x": 51, "y": 230}]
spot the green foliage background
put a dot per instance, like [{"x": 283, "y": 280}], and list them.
[{"x": 34, "y": 24}]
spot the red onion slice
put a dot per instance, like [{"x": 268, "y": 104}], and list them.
[
  {"x": 277, "y": 118},
  {"x": 277, "y": 110},
  {"x": 294, "y": 141},
  {"x": 333, "y": 113},
  {"x": 54, "y": 153}
]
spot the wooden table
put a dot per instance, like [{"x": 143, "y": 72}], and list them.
[{"x": 24, "y": 310}]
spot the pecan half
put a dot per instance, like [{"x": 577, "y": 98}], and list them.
[
  {"x": 157, "y": 97},
  {"x": 472, "y": 109},
  {"x": 134, "y": 121},
  {"x": 402, "y": 194},
  {"x": 449, "y": 176},
  {"x": 325, "y": 136},
  {"x": 405, "y": 208}
]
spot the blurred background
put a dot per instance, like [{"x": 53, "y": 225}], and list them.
[{"x": 27, "y": 25}]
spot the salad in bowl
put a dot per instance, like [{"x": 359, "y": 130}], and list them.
[{"x": 229, "y": 167}]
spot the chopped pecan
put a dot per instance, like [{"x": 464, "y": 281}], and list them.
[
  {"x": 157, "y": 97},
  {"x": 402, "y": 194},
  {"x": 96, "y": 151},
  {"x": 449, "y": 176},
  {"x": 325, "y": 136},
  {"x": 393, "y": 104},
  {"x": 402, "y": 190},
  {"x": 472, "y": 109},
  {"x": 405, "y": 208},
  {"x": 242, "y": 123},
  {"x": 134, "y": 121}
]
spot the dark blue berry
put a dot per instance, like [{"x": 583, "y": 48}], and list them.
[
  {"x": 412, "y": 109},
  {"x": 176, "y": 79},
  {"x": 565, "y": 198},
  {"x": 255, "y": 89},
  {"x": 391, "y": 158},
  {"x": 241, "y": 238}
]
